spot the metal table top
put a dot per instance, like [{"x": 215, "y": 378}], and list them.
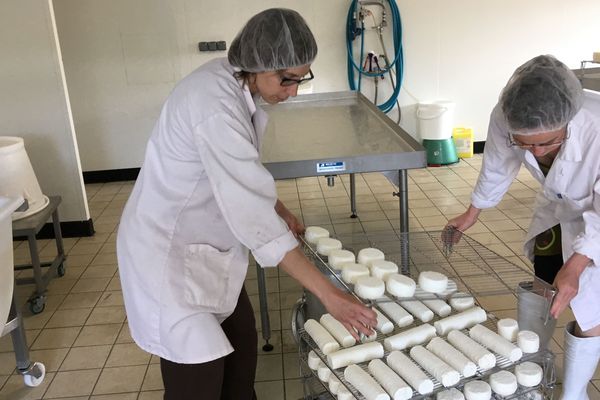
[{"x": 335, "y": 133}]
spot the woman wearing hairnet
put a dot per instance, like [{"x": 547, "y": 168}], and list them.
[
  {"x": 202, "y": 201},
  {"x": 546, "y": 122}
]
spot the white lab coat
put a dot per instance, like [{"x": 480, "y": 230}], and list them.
[
  {"x": 202, "y": 199},
  {"x": 570, "y": 195}
]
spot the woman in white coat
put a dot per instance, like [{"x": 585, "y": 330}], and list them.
[
  {"x": 546, "y": 122},
  {"x": 202, "y": 201}
]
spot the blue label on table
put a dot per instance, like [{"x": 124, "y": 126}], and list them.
[{"x": 336, "y": 166}]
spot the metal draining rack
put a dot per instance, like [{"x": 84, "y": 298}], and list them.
[{"x": 475, "y": 269}]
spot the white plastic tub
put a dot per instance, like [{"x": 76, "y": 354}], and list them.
[
  {"x": 7, "y": 207},
  {"x": 435, "y": 119}
]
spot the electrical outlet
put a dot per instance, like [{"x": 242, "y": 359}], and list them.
[{"x": 212, "y": 46}]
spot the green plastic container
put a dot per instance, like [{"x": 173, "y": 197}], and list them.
[{"x": 440, "y": 152}]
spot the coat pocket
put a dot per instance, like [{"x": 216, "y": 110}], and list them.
[{"x": 207, "y": 273}]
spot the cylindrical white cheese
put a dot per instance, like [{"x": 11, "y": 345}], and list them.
[
  {"x": 334, "y": 384},
  {"x": 417, "y": 309},
  {"x": 441, "y": 371},
  {"x": 344, "y": 394},
  {"x": 400, "y": 285},
  {"x": 351, "y": 272},
  {"x": 410, "y": 372},
  {"x": 450, "y": 394},
  {"x": 461, "y": 320},
  {"x": 382, "y": 269},
  {"x": 495, "y": 342},
  {"x": 354, "y": 355},
  {"x": 452, "y": 357},
  {"x": 337, "y": 258},
  {"x": 337, "y": 330},
  {"x": 440, "y": 307},
  {"x": 321, "y": 336},
  {"x": 384, "y": 325},
  {"x": 508, "y": 329},
  {"x": 398, "y": 314},
  {"x": 434, "y": 282},
  {"x": 327, "y": 245},
  {"x": 473, "y": 350},
  {"x": 313, "y": 360},
  {"x": 528, "y": 341},
  {"x": 368, "y": 339},
  {"x": 365, "y": 383},
  {"x": 391, "y": 382},
  {"x": 368, "y": 255},
  {"x": 529, "y": 374},
  {"x": 323, "y": 372},
  {"x": 312, "y": 234},
  {"x": 477, "y": 390},
  {"x": 504, "y": 383},
  {"x": 369, "y": 287},
  {"x": 461, "y": 301},
  {"x": 409, "y": 337}
]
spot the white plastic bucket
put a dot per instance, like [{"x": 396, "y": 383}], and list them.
[
  {"x": 435, "y": 119},
  {"x": 7, "y": 206},
  {"x": 17, "y": 178}
]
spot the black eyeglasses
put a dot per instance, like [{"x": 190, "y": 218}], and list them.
[
  {"x": 511, "y": 142},
  {"x": 291, "y": 81}
]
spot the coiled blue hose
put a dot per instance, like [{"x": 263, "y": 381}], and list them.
[{"x": 398, "y": 61}]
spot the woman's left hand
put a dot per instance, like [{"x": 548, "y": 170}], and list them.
[
  {"x": 567, "y": 282},
  {"x": 290, "y": 219}
]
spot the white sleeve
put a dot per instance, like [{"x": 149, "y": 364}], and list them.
[
  {"x": 243, "y": 188},
  {"x": 501, "y": 164},
  {"x": 586, "y": 242}
]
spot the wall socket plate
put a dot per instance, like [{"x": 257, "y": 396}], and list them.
[{"x": 212, "y": 46}]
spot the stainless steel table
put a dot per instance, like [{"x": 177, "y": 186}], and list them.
[{"x": 329, "y": 134}]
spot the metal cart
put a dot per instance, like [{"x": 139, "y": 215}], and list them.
[{"x": 475, "y": 270}]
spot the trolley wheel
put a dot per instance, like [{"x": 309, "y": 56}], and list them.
[
  {"x": 353, "y": 216},
  {"x": 267, "y": 347},
  {"x": 37, "y": 304},
  {"x": 61, "y": 270},
  {"x": 35, "y": 375}
]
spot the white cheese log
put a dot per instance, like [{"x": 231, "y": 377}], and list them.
[
  {"x": 461, "y": 301},
  {"x": 368, "y": 339},
  {"x": 528, "y": 374},
  {"x": 410, "y": 372},
  {"x": 504, "y": 383},
  {"x": 368, "y": 255},
  {"x": 312, "y": 234},
  {"x": 369, "y": 287},
  {"x": 334, "y": 384},
  {"x": 327, "y": 245},
  {"x": 321, "y": 336},
  {"x": 452, "y": 356},
  {"x": 364, "y": 383},
  {"x": 441, "y": 371},
  {"x": 400, "y": 285},
  {"x": 477, "y": 390},
  {"x": 384, "y": 325},
  {"x": 450, "y": 394},
  {"x": 434, "y": 282},
  {"x": 382, "y": 269},
  {"x": 323, "y": 372},
  {"x": 398, "y": 314},
  {"x": 351, "y": 272},
  {"x": 461, "y": 320},
  {"x": 337, "y": 258},
  {"x": 344, "y": 394},
  {"x": 418, "y": 310},
  {"x": 473, "y": 350},
  {"x": 409, "y": 337},
  {"x": 528, "y": 341},
  {"x": 495, "y": 342},
  {"x": 313, "y": 360},
  {"x": 354, "y": 355},
  {"x": 508, "y": 329},
  {"x": 440, "y": 307},
  {"x": 337, "y": 330},
  {"x": 391, "y": 382}
]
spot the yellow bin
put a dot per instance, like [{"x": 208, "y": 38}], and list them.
[{"x": 463, "y": 140}]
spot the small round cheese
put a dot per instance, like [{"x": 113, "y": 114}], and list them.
[
  {"x": 461, "y": 301},
  {"x": 504, "y": 383},
  {"x": 529, "y": 374},
  {"x": 434, "y": 282},
  {"x": 382, "y": 269},
  {"x": 528, "y": 341},
  {"x": 477, "y": 390},
  {"x": 337, "y": 258},
  {"x": 314, "y": 233},
  {"x": 368, "y": 255},
  {"x": 327, "y": 245},
  {"x": 400, "y": 285},
  {"x": 369, "y": 287},
  {"x": 450, "y": 394},
  {"x": 324, "y": 372},
  {"x": 313, "y": 360},
  {"x": 508, "y": 328},
  {"x": 351, "y": 272}
]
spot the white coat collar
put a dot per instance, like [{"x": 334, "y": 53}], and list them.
[{"x": 571, "y": 149}]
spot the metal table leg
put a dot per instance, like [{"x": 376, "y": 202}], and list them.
[
  {"x": 353, "y": 196},
  {"x": 403, "y": 198},
  {"x": 60, "y": 250},
  {"x": 264, "y": 307},
  {"x": 37, "y": 301}
]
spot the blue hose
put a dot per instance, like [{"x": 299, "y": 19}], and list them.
[{"x": 398, "y": 61}]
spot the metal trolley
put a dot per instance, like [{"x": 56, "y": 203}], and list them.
[{"x": 474, "y": 268}]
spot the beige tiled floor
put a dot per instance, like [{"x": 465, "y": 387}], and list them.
[{"x": 82, "y": 336}]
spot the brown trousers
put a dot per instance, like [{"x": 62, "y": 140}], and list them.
[{"x": 227, "y": 378}]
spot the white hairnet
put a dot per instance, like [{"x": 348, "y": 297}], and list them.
[
  {"x": 272, "y": 40},
  {"x": 542, "y": 95}
]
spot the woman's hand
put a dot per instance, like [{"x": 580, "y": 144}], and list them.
[
  {"x": 354, "y": 315},
  {"x": 567, "y": 282},
  {"x": 456, "y": 226},
  {"x": 290, "y": 219}
]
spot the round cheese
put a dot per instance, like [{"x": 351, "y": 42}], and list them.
[
  {"x": 324, "y": 372},
  {"x": 337, "y": 258},
  {"x": 314, "y": 233},
  {"x": 351, "y": 272},
  {"x": 400, "y": 285},
  {"x": 477, "y": 390},
  {"x": 461, "y": 301},
  {"x": 529, "y": 374},
  {"x": 504, "y": 383},
  {"x": 434, "y": 282},
  {"x": 382, "y": 269},
  {"x": 327, "y": 245},
  {"x": 508, "y": 328},
  {"x": 528, "y": 341},
  {"x": 450, "y": 394},
  {"x": 313, "y": 360},
  {"x": 369, "y": 287},
  {"x": 368, "y": 255}
]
